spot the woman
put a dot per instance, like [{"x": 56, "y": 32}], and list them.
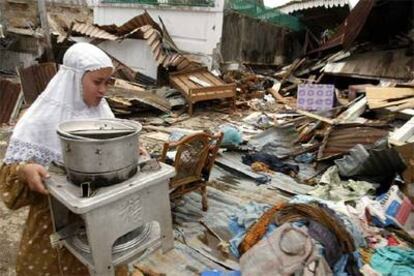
[{"x": 75, "y": 92}]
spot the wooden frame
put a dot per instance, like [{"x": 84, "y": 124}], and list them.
[
  {"x": 183, "y": 182},
  {"x": 194, "y": 92}
]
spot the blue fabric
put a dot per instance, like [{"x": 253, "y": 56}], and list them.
[
  {"x": 393, "y": 261},
  {"x": 306, "y": 158},
  {"x": 242, "y": 220},
  {"x": 340, "y": 266},
  {"x": 231, "y": 135}
]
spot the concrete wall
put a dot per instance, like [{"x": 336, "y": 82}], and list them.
[
  {"x": 252, "y": 41},
  {"x": 194, "y": 29}
]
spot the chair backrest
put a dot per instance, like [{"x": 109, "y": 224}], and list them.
[
  {"x": 214, "y": 146},
  {"x": 35, "y": 78},
  {"x": 194, "y": 157}
]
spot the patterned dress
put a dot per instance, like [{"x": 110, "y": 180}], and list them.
[{"x": 36, "y": 256}]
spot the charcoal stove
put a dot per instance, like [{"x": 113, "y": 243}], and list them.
[{"x": 117, "y": 223}]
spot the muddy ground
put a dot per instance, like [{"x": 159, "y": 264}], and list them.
[{"x": 11, "y": 227}]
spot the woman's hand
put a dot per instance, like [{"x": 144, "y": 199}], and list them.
[{"x": 34, "y": 174}]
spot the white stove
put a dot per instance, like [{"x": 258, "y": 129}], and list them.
[{"x": 118, "y": 223}]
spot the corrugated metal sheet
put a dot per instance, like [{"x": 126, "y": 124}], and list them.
[
  {"x": 298, "y": 5},
  {"x": 92, "y": 31},
  {"x": 35, "y": 78},
  {"x": 137, "y": 22},
  {"x": 340, "y": 139},
  {"x": 137, "y": 98},
  {"x": 194, "y": 252},
  {"x": 394, "y": 64},
  {"x": 131, "y": 28},
  {"x": 350, "y": 28},
  {"x": 375, "y": 165},
  {"x": 279, "y": 141},
  {"x": 9, "y": 95},
  {"x": 177, "y": 60},
  {"x": 140, "y": 27}
]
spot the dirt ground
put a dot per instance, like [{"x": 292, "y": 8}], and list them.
[{"x": 11, "y": 227}]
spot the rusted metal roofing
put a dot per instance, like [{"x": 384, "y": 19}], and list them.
[
  {"x": 92, "y": 31},
  {"x": 177, "y": 60},
  {"x": 350, "y": 28},
  {"x": 137, "y": 22},
  {"x": 130, "y": 29},
  {"x": 392, "y": 64},
  {"x": 340, "y": 139},
  {"x": 140, "y": 27},
  {"x": 9, "y": 96},
  {"x": 298, "y": 5},
  {"x": 35, "y": 78}
]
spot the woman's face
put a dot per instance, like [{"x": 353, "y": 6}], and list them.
[{"x": 94, "y": 85}]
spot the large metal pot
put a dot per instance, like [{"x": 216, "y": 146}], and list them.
[{"x": 101, "y": 151}]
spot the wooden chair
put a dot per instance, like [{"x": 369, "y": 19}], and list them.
[{"x": 193, "y": 161}]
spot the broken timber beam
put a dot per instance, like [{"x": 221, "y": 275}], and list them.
[
  {"x": 315, "y": 116},
  {"x": 401, "y": 135}
]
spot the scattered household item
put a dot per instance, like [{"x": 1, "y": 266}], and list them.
[
  {"x": 318, "y": 97},
  {"x": 115, "y": 225},
  {"x": 103, "y": 151},
  {"x": 232, "y": 137},
  {"x": 201, "y": 85},
  {"x": 286, "y": 251},
  {"x": 193, "y": 161}
]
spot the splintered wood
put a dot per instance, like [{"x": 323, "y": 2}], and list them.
[{"x": 381, "y": 97}]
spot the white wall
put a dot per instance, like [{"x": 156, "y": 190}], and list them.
[{"x": 194, "y": 29}]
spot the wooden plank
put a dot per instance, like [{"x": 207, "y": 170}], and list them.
[
  {"x": 127, "y": 85},
  {"x": 401, "y": 135},
  {"x": 225, "y": 87},
  {"x": 315, "y": 116},
  {"x": 214, "y": 79},
  {"x": 203, "y": 76},
  {"x": 188, "y": 71},
  {"x": 199, "y": 81},
  {"x": 210, "y": 96},
  {"x": 180, "y": 86},
  {"x": 353, "y": 112},
  {"x": 188, "y": 83},
  {"x": 380, "y": 97}
]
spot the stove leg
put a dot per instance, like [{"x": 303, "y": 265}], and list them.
[
  {"x": 163, "y": 216},
  {"x": 101, "y": 247}
]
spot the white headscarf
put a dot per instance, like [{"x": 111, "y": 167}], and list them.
[{"x": 34, "y": 137}]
